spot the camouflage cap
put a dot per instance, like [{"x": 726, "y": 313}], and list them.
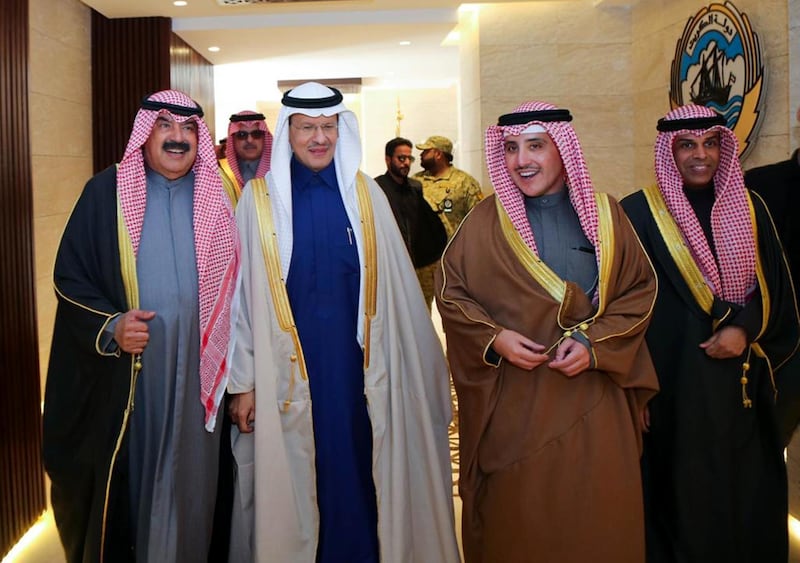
[{"x": 437, "y": 142}]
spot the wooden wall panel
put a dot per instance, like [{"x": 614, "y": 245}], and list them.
[
  {"x": 193, "y": 74},
  {"x": 22, "y": 496},
  {"x": 130, "y": 59}
]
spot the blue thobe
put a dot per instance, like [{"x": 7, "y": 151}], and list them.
[{"x": 323, "y": 287}]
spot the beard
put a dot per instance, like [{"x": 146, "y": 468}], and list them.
[
  {"x": 427, "y": 163},
  {"x": 399, "y": 171}
]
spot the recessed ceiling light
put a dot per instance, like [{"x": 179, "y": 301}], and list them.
[
  {"x": 214, "y": 49},
  {"x": 180, "y": 3},
  {"x": 405, "y": 43}
]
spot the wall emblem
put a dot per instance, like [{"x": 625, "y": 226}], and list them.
[{"x": 718, "y": 64}]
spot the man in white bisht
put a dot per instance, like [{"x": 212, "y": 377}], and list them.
[{"x": 340, "y": 392}]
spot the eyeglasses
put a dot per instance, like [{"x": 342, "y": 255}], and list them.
[
  {"x": 405, "y": 157},
  {"x": 308, "y": 129},
  {"x": 242, "y": 135}
]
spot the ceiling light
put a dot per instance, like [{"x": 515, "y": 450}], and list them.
[
  {"x": 405, "y": 43},
  {"x": 214, "y": 49},
  {"x": 180, "y": 3}
]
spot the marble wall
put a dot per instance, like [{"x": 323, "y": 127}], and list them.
[
  {"x": 470, "y": 95},
  {"x": 568, "y": 53},
  {"x": 609, "y": 63},
  {"x": 656, "y": 27},
  {"x": 60, "y": 100}
]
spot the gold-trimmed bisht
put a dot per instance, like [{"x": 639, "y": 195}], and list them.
[
  {"x": 691, "y": 274},
  {"x": 130, "y": 282},
  {"x": 370, "y": 261},
  {"x": 555, "y": 286},
  {"x": 277, "y": 283}
]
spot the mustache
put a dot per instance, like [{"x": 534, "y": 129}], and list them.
[{"x": 173, "y": 145}]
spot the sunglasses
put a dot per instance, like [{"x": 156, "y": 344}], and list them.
[{"x": 242, "y": 135}]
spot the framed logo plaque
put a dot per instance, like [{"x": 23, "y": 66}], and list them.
[{"x": 718, "y": 64}]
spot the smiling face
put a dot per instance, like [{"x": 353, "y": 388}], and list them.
[
  {"x": 697, "y": 158},
  {"x": 313, "y": 139},
  {"x": 534, "y": 163},
  {"x": 171, "y": 148}
]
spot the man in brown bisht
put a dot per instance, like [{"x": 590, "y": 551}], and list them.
[{"x": 545, "y": 295}]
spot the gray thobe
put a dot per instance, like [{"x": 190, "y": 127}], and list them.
[
  {"x": 173, "y": 460},
  {"x": 560, "y": 241},
  {"x": 248, "y": 169}
]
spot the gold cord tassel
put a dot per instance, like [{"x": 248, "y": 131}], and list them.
[
  {"x": 746, "y": 402},
  {"x": 581, "y": 329}
]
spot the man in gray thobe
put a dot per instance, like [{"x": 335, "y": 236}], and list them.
[{"x": 144, "y": 276}]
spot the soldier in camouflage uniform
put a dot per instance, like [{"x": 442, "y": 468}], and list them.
[{"x": 450, "y": 191}]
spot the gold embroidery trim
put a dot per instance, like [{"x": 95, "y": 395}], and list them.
[
  {"x": 693, "y": 277},
  {"x": 548, "y": 279},
  {"x": 788, "y": 273},
  {"x": 605, "y": 232},
  {"x": 370, "y": 261},
  {"x": 127, "y": 261},
  {"x": 760, "y": 275},
  {"x": 277, "y": 285},
  {"x": 677, "y": 248},
  {"x": 540, "y": 271}
]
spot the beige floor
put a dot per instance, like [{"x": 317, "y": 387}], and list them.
[{"x": 44, "y": 546}]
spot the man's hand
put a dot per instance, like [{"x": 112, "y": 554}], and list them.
[
  {"x": 572, "y": 358},
  {"x": 242, "y": 408},
  {"x": 728, "y": 342},
  {"x": 520, "y": 351},
  {"x": 131, "y": 331}
]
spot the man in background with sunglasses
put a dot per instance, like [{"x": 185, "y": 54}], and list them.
[
  {"x": 422, "y": 231},
  {"x": 247, "y": 152}
]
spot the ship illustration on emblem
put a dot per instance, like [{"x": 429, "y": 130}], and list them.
[{"x": 718, "y": 64}]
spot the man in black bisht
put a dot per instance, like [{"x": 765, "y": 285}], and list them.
[
  {"x": 422, "y": 230},
  {"x": 724, "y": 323}
]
